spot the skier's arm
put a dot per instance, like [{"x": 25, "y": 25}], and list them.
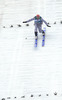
[
  {"x": 45, "y": 22},
  {"x": 28, "y": 20}
]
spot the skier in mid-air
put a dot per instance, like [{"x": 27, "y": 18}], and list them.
[{"x": 38, "y": 21}]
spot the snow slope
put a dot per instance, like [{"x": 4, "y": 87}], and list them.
[{"x": 25, "y": 70}]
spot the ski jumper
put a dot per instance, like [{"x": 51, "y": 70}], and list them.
[{"x": 38, "y": 23}]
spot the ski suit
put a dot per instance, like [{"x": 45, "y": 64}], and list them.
[{"x": 38, "y": 23}]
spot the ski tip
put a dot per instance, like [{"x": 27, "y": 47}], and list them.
[
  {"x": 35, "y": 46},
  {"x": 42, "y": 45}
]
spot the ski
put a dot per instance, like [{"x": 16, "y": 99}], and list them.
[
  {"x": 35, "y": 42},
  {"x": 43, "y": 41},
  {"x": 43, "y": 38}
]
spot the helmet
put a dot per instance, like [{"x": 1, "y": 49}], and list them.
[{"x": 37, "y": 15}]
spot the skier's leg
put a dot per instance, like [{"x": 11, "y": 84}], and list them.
[
  {"x": 39, "y": 28},
  {"x": 36, "y": 35},
  {"x": 43, "y": 33}
]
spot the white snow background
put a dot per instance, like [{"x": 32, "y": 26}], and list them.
[{"x": 26, "y": 71}]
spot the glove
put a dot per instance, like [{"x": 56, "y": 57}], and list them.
[
  {"x": 48, "y": 26},
  {"x": 25, "y": 22}
]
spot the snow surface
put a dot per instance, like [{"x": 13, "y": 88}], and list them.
[{"x": 25, "y": 70}]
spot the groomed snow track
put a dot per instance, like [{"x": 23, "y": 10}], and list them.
[{"x": 27, "y": 72}]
